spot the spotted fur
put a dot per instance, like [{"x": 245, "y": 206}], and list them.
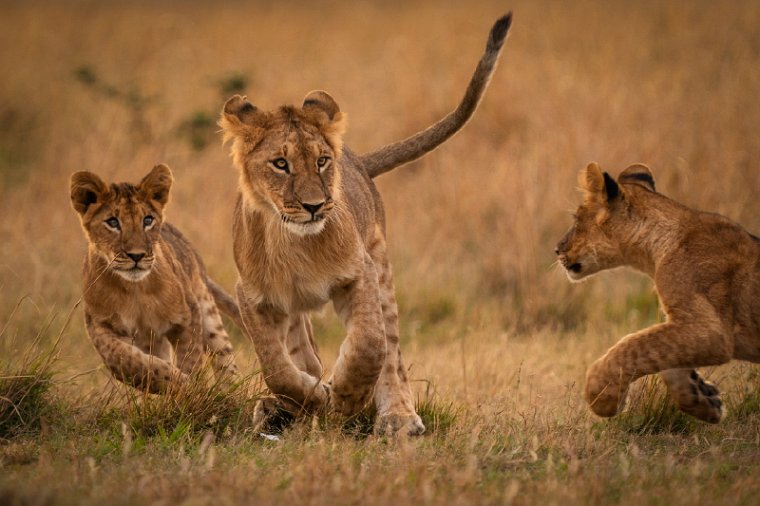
[{"x": 149, "y": 307}]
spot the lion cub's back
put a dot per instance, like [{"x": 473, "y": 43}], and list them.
[
  {"x": 361, "y": 195},
  {"x": 186, "y": 256}
]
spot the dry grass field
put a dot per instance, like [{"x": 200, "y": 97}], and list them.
[{"x": 496, "y": 339}]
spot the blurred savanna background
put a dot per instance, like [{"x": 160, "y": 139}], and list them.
[{"x": 496, "y": 338}]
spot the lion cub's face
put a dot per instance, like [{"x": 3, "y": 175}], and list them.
[
  {"x": 288, "y": 159},
  {"x": 602, "y": 223},
  {"x": 122, "y": 221}
]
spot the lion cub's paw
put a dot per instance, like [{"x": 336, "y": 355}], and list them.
[
  {"x": 271, "y": 415},
  {"x": 402, "y": 424},
  {"x": 703, "y": 401},
  {"x": 349, "y": 401},
  {"x": 605, "y": 397},
  {"x": 316, "y": 400}
]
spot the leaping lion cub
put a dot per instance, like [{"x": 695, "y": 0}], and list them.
[
  {"x": 706, "y": 269},
  {"x": 309, "y": 227},
  {"x": 149, "y": 306}
]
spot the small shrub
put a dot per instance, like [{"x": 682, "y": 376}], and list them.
[
  {"x": 25, "y": 397},
  {"x": 199, "y": 130},
  {"x": 232, "y": 83}
]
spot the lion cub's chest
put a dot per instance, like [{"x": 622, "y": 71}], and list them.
[
  {"x": 296, "y": 274},
  {"x": 298, "y": 286},
  {"x": 304, "y": 289},
  {"x": 150, "y": 316}
]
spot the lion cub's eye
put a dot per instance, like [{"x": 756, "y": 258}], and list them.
[
  {"x": 280, "y": 164},
  {"x": 148, "y": 221},
  {"x": 113, "y": 223},
  {"x": 322, "y": 162}
]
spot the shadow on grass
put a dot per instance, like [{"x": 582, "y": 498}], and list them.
[{"x": 438, "y": 417}]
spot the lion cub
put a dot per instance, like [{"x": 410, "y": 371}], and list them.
[
  {"x": 706, "y": 269},
  {"x": 309, "y": 228},
  {"x": 148, "y": 305}
]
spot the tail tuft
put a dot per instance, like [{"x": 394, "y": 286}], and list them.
[
  {"x": 499, "y": 32},
  {"x": 398, "y": 153}
]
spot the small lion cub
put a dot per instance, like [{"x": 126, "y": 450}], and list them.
[
  {"x": 149, "y": 307},
  {"x": 707, "y": 272}
]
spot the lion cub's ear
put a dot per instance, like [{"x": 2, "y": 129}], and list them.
[
  {"x": 86, "y": 189},
  {"x": 157, "y": 184},
  {"x": 240, "y": 118},
  {"x": 325, "y": 112},
  {"x": 598, "y": 186},
  {"x": 638, "y": 174},
  {"x": 322, "y": 102}
]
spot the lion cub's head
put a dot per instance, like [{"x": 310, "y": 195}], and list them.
[
  {"x": 288, "y": 158},
  {"x": 122, "y": 221},
  {"x": 604, "y": 223}
]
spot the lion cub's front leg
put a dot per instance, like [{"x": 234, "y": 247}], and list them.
[
  {"x": 188, "y": 351},
  {"x": 658, "y": 348},
  {"x": 363, "y": 351},
  {"x": 216, "y": 342},
  {"x": 128, "y": 363},
  {"x": 267, "y": 328}
]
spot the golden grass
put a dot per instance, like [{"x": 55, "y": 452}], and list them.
[{"x": 491, "y": 328}]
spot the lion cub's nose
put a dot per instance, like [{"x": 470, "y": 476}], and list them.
[
  {"x": 136, "y": 256},
  {"x": 313, "y": 208}
]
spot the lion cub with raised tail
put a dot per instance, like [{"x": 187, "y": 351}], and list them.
[
  {"x": 706, "y": 269},
  {"x": 309, "y": 227},
  {"x": 149, "y": 307}
]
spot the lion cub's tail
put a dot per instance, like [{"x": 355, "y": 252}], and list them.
[
  {"x": 225, "y": 302},
  {"x": 396, "y": 154}
]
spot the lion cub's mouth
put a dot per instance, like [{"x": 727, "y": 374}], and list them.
[
  {"x": 133, "y": 274},
  {"x": 314, "y": 225},
  {"x": 573, "y": 269},
  {"x": 133, "y": 271}
]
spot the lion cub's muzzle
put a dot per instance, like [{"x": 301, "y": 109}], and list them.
[
  {"x": 308, "y": 217},
  {"x": 569, "y": 265},
  {"x": 133, "y": 266},
  {"x": 573, "y": 266}
]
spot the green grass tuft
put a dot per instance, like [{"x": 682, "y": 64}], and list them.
[
  {"x": 191, "y": 409},
  {"x": 25, "y": 396},
  {"x": 438, "y": 416},
  {"x": 24, "y": 401}
]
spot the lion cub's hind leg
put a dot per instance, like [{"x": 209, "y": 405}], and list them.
[
  {"x": 301, "y": 346},
  {"x": 216, "y": 342},
  {"x": 694, "y": 395},
  {"x": 393, "y": 394}
]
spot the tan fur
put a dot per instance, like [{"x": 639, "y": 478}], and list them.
[
  {"x": 706, "y": 269},
  {"x": 309, "y": 227},
  {"x": 149, "y": 307}
]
